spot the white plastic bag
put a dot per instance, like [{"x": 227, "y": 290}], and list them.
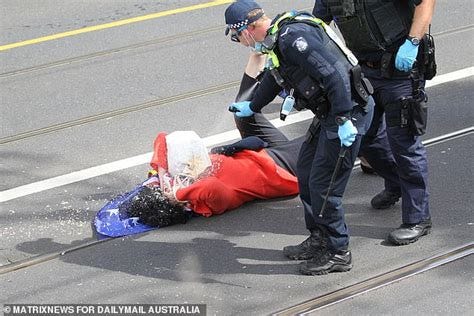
[{"x": 187, "y": 154}]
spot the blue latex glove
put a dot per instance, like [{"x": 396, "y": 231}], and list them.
[
  {"x": 406, "y": 56},
  {"x": 241, "y": 109},
  {"x": 347, "y": 133}
]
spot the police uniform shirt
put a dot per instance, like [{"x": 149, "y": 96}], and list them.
[
  {"x": 311, "y": 50},
  {"x": 384, "y": 17}
]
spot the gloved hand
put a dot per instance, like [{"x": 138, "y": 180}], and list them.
[
  {"x": 406, "y": 56},
  {"x": 241, "y": 109},
  {"x": 347, "y": 133}
]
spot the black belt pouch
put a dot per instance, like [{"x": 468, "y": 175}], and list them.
[
  {"x": 418, "y": 117},
  {"x": 407, "y": 113}
]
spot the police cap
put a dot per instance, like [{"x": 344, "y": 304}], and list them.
[{"x": 242, "y": 13}]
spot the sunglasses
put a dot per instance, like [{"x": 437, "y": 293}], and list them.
[{"x": 234, "y": 36}]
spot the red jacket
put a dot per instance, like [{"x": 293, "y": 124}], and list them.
[{"x": 234, "y": 180}]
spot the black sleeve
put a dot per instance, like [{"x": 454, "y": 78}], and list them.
[
  {"x": 251, "y": 143},
  {"x": 266, "y": 92},
  {"x": 248, "y": 86}
]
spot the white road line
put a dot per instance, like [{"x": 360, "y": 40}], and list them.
[
  {"x": 451, "y": 76},
  {"x": 210, "y": 141}
]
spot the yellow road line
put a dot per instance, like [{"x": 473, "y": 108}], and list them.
[{"x": 114, "y": 24}]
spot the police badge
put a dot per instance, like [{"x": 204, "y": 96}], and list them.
[{"x": 300, "y": 44}]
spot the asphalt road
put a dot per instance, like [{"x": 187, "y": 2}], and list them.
[{"x": 97, "y": 97}]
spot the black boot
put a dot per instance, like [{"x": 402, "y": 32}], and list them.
[
  {"x": 385, "y": 199},
  {"x": 409, "y": 233},
  {"x": 327, "y": 261},
  {"x": 308, "y": 248}
]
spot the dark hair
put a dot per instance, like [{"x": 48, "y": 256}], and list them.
[{"x": 153, "y": 208}]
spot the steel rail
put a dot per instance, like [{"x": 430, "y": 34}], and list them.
[
  {"x": 167, "y": 39},
  {"x": 121, "y": 111},
  {"x": 313, "y": 305},
  {"x": 108, "y": 52},
  {"x": 114, "y": 50},
  {"x": 129, "y": 109},
  {"x": 47, "y": 257}
]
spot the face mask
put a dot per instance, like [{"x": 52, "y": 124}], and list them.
[{"x": 258, "y": 47}]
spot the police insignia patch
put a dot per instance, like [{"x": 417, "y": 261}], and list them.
[{"x": 300, "y": 44}]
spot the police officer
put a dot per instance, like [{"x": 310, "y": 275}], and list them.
[
  {"x": 313, "y": 65},
  {"x": 386, "y": 37}
]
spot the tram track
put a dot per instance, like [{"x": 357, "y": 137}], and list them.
[
  {"x": 163, "y": 40},
  {"x": 160, "y": 102},
  {"x": 136, "y": 107},
  {"x": 108, "y": 52},
  {"x": 29, "y": 262},
  {"x": 92, "y": 271},
  {"x": 120, "y": 111},
  {"x": 313, "y": 305}
]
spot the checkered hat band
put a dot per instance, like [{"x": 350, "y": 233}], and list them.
[{"x": 239, "y": 24}]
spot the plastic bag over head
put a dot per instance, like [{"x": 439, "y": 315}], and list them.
[{"x": 187, "y": 154}]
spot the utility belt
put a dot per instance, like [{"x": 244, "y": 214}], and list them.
[
  {"x": 306, "y": 92},
  {"x": 425, "y": 61},
  {"x": 386, "y": 64},
  {"x": 320, "y": 106},
  {"x": 409, "y": 112}
]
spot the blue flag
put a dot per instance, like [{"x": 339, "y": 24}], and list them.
[{"x": 113, "y": 221}]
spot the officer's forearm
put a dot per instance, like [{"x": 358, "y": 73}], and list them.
[
  {"x": 422, "y": 18},
  {"x": 255, "y": 64}
]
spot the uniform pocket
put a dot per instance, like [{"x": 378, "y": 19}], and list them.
[
  {"x": 361, "y": 38},
  {"x": 396, "y": 114},
  {"x": 389, "y": 23},
  {"x": 418, "y": 117}
]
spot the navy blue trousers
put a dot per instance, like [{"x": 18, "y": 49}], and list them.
[
  {"x": 316, "y": 163},
  {"x": 394, "y": 152}
]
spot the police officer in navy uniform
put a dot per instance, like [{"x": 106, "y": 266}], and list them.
[
  {"x": 315, "y": 67},
  {"x": 386, "y": 37}
]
